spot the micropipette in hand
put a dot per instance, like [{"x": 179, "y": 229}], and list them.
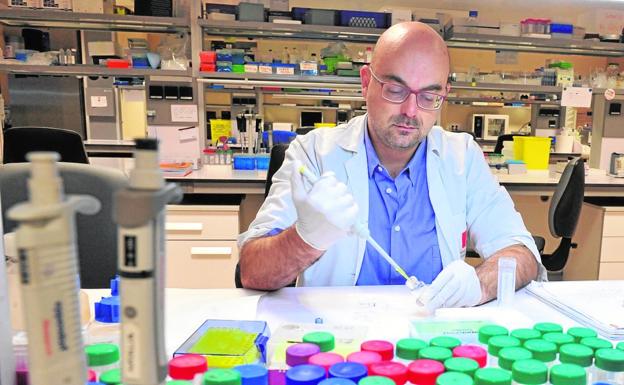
[{"x": 362, "y": 231}]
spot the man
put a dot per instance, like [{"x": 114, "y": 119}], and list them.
[{"x": 420, "y": 190}]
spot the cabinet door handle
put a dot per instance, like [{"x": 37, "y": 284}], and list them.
[
  {"x": 184, "y": 226},
  {"x": 197, "y": 252}
]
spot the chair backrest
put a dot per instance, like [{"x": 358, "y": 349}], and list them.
[
  {"x": 565, "y": 207},
  {"x": 19, "y": 141},
  {"x": 498, "y": 148},
  {"x": 97, "y": 234},
  {"x": 278, "y": 153}
]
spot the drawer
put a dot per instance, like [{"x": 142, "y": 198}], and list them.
[
  {"x": 217, "y": 224},
  {"x": 201, "y": 264},
  {"x": 612, "y": 249},
  {"x": 612, "y": 270},
  {"x": 613, "y": 224}
]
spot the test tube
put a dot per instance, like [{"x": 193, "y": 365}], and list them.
[{"x": 506, "y": 281}]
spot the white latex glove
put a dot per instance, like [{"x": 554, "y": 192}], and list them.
[
  {"x": 457, "y": 285},
  {"x": 326, "y": 213}
]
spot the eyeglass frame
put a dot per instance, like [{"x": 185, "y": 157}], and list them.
[{"x": 411, "y": 91}]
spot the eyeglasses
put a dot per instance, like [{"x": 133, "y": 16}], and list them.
[{"x": 397, "y": 93}]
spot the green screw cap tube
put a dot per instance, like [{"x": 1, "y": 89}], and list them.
[
  {"x": 507, "y": 356},
  {"x": 558, "y": 339},
  {"x": 102, "y": 354},
  {"x": 408, "y": 348},
  {"x": 435, "y": 353},
  {"x": 376, "y": 380},
  {"x": 579, "y": 333},
  {"x": 492, "y": 376},
  {"x": 620, "y": 346},
  {"x": 542, "y": 350},
  {"x": 529, "y": 372},
  {"x": 548, "y": 327},
  {"x": 567, "y": 374},
  {"x": 324, "y": 340},
  {"x": 445, "y": 342},
  {"x": 222, "y": 377},
  {"x": 526, "y": 334},
  {"x": 495, "y": 344},
  {"x": 596, "y": 343},
  {"x": 611, "y": 360},
  {"x": 488, "y": 331},
  {"x": 111, "y": 377},
  {"x": 461, "y": 365},
  {"x": 577, "y": 354},
  {"x": 454, "y": 378}
]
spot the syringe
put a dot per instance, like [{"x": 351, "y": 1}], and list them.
[{"x": 362, "y": 231}]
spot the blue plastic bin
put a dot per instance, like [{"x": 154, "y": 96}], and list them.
[
  {"x": 244, "y": 162},
  {"x": 298, "y": 13},
  {"x": 561, "y": 28},
  {"x": 262, "y": 161},
  {"x": 364, "y": 19},
  {"x": 279, "y": 136}
]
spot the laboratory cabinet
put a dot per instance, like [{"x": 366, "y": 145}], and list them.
[
  {"x": 201, "y": 245},
  {"x": 600, "y": 239}
]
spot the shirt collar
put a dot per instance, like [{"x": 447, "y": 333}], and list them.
[{"x": 412, "y": 166}]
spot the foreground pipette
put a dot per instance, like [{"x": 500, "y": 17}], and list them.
[{"x": 362, "y": 231}]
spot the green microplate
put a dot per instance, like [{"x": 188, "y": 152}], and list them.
[
  {"x": 558, "y": 339},
  {"x": 324, "y": 340},
  {"x": 408, "y": 348},
  {"x": 461, "y": 365},
  {"x": 488, "y": 331},
  {"x": 222, "y": 377},
  {"x": 529, "y": 372},
  {"x": 435, "y": 353},
  {"x": 542, "y": 350},
  {"x": 576, "y": 354},
  {"x": 526, "y": 334},
  {"x": 376, "y": 380},
  {"x": 548, "y": 327},
  {"x": 620, "y": 346},
  {"x": 454, "y": 378},
  {"x": 110, "y": 377},
  {"x": 579, "y": 333},
  {"x": 102, "y": 354},
  {"x": 492, "y": 376},
  {"x": 507, "y": 356},
  {"x": 445, "y": 342},
  {"x": 567, "y": 374},
  {"x": 611, "y": 360},
  {"x": 596, "y": 343},
  {"x": 495, "y": 344}
]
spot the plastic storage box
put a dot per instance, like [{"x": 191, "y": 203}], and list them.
[
  {"x": 533, "y": 150},
  {"x": 251, "y": 12},
  {"x": 279, "y": 136},
  {"x": 244, "y": 162},
  {"x": 262, "y": 161},
  {"x": 364, "y": 19},
  {"x": 321, "y": 17}
]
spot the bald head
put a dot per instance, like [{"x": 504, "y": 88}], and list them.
[{"x": 408, "y": 41}]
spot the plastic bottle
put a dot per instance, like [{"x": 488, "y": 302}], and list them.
[
  {"x": 579, "y": 333},
  {"x": 568, "y": 374},
  {"x": 324, "y": 340},
  {"x": 488, "y": 331},
  {"x": 526, "y": 334},
  {"x": 102, "y": 357},
  {"x": 187, "y": 366},
  {"x": 496, "y": 344},
  {"x": 396, "y": 371},
  {"x": 435, "y": 353},
  {"x": 529, "y": 372},
  {"x": 408, "y": 348},
  {"x": 461, "y": 365},
  {"x": 596, "y": 343},
  {"x": 294, "y": 56},
  {"x": 508, "y": 356},
  {"x": 492, "y": 376},
  {"x": 558, "y": 339},
  {"x": 384, "y": 348},
  {"x": 542, "y": 350},
  {"x": 620, "y": 346},
  {"x": 285, "y": 56},
  {"x": 580, "y": 355},
  {"x": 454, "y": 378},
  {"x": 609, "y": 366},
  {"x": 424, "y": 371},
  {"x": 348, "y": 370},
  {"x": 105, "y": 327},
  {"x": 299, "y": 375},
  {"x": 369, "y": 55},
  {"x": 445, "y": 342},
  {"x": 548, "y": 327},
  {"x": 476, "y": 353}
]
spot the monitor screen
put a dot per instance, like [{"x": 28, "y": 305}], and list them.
[{"x": 308, "y": 118}]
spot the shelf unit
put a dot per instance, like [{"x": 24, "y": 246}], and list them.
[
  {"x": 86, "y": 70},
  {"x": 92, "y": 21}
]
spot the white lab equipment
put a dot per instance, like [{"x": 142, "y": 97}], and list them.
[
  {"x": 139, "y": 210},
  {"x": 7, "y": 361},
  {"x": 46, "y": 244},
  {"x": 506, "y": 289}
]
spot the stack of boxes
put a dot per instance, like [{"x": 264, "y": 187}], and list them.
[{"x": 208, "y": 61}]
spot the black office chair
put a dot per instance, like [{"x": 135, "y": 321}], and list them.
[
  {"x": 96, "y": 234},
  {"x": 563, "y": 214},
  {"x": 278, "y": 153},
  {"x": 19, "y": 141},
  {"x": 498, "y": 148}
]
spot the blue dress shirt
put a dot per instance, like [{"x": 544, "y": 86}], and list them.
[{"x": 401, "y": 220}]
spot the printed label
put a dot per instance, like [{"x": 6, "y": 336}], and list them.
[
  {"x": 265, "y": 69},
  {"x": 131, "y": 351},
  {"x": 130, "y": 250},
  {"x": 284, "y": 70}
]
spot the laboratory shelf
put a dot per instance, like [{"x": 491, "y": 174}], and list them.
[
  {"x": 41, "y": 18},
  {"x": 529, "y": 44},
  {"x": 265, "y": 30},
  {"x": 507, "y": 102},
  {"x": 503, "y": 87},
  {"x": 86, "y": 70},
  {"x": 274, "y": 80}
]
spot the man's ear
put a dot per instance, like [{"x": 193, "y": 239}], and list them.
[{"x": 365, "y": 78}]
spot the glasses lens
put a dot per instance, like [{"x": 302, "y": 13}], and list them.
[
  {"x": 394, "y": 92},
  {"x": 429, "y": 101}
]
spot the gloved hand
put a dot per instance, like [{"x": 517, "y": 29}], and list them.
[
  {"x": 457, "y": 285},
  {"x": 326, "y": 212}
]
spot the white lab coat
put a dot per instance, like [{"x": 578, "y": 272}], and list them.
[{"x": 464, "y": 194}]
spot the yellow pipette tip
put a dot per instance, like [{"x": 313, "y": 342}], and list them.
[
  {"x": 403, "y": 273},
  {"x": 302, "y": 169}
]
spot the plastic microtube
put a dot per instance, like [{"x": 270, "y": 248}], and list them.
[{"x": 506, "y": 281}]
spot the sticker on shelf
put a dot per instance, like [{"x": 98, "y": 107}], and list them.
[
  {"x": 576, "y": 97},
  {"x": 609, "y": 94},
  {"x": 99, "y": 101}
]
